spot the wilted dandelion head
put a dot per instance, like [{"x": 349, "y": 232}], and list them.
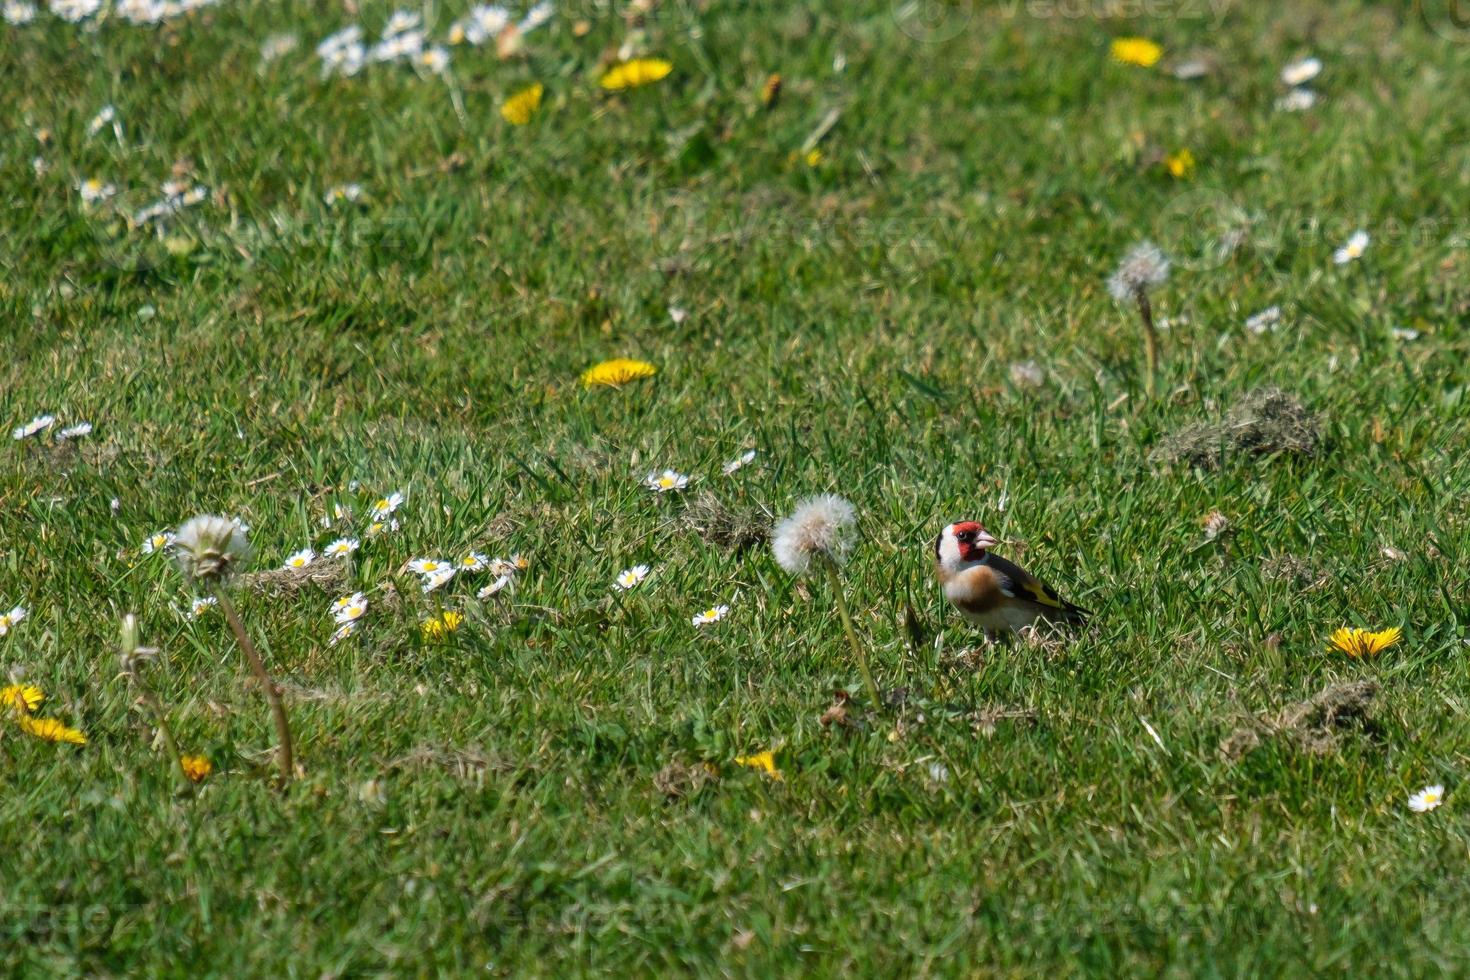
[
  {"x": 210, "y": 548},
  {"x": 1143, "y": 268},
  {"x": 820, "y": 527}
]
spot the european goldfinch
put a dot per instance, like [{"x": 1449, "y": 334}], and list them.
[{"x": 994, "y": 594}]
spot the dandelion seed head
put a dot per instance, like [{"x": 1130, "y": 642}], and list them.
[
  {"x": 824, "y": 526},
  {"x": 210, "y": 548},
  {"x": 1143, "y": 267}
]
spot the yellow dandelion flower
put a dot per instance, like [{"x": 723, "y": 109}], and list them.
[
  {"x": 196, "y": 767},
  {"x": 519, "y": 108},
  {"x": 632, "y": 74},
  {"x": 616, "y": 372},
  {"x": 1137, "y": 51},
  {"x": 1180, "y": 164},
  {"x": 814, "y": 157},
  {"x": 762, "y": 761},
  {"x": 771, "y": 91},
  {"x": 443, "y": 625},
  {"x": 24, "y": 698},
  {"x": 51, "y": 730},
  {"x": 1364, "y": 643}
]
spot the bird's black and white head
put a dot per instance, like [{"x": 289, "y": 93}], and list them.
[{"x": 961, "y": 545}]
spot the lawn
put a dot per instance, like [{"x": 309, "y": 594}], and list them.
[{"x": 890, "y": 280}]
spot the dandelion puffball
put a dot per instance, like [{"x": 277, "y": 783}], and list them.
[
  {"x": 821, "y": 527},
  {"x": 1142, "y": 268},
  {"x": 209, "y": 548}
]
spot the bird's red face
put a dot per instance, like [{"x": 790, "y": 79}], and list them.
[{"x": 965, "y": 541}]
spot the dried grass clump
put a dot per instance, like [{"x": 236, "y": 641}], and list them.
[
  {"x": 1315, "y": 726},
  {"x": 1265, "y": 422},
  {"x": 329, "y": 576},
  {"x": 680, "y": 780},
  {"x": 733, "y": 530}
]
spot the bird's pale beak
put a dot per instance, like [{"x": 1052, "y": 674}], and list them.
[{"x": 984, "y": 540}]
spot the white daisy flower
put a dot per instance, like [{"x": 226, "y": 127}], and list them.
[
  {"x": 32, "y": 427},
  {"x": 384, "y": 508},
  {"x": 398, "y": 46},
  {"x": 428, "y": 566},
  {"x": 94, "y": 191},
  {"x": 1427, "y": 799},
  {"x": 381, "y": 527},
  {"x": 18, "y": 14},
  {"x": 535, "y": 17},
  {"x": 678, "y": 314},
  {"x": 107, "y": 115},
  {"x": 1405, "y": 333},
  {"x": 355, "y": 599},
  {"x": 345, "y": 38},
  {"x": 630, "y": 578},
  {"x": 201, "y": 606},
  {"x": 484, "y": 22},
  {"x": 666, "y": 481},
  {"x": 301, "y": 559},
  {"x": 711, "y": 615},
  {"x": 740, "y": 462},
  {"x": 338, "y": 513},
  {"x": 434, "y": 580},
  {"x": 74, "y": 431},
  {"x": 74, "y": 11},
  {"x": 435, "y": 60},
  {"x": 277, "y": 45},
  {"x": 1297, "y": 100},
  {"x": 494, "y": 587},
  {"x": 1353, "y": 249},
  {"x": 473, "y": 562},
  {"x": 158, "y": 542},
  {"x": 1265, "y": 321},
  {"x": 348, "y": 193},
  {"x": 350, "y": 608},
  {"x": 340, "y": 548},
  {"x": 508, "y": 566},
  {"x": 342, "y": 632},
  {"x": 401, "y": 22},
  {"x": 1301, "y": 71},
  {"x": 342, "y": 53},
  {"x": 10, "y": 619}
]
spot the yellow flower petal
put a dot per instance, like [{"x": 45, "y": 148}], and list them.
[
  {"x": 618, "y": 371},
  {"x": 443, "y": 625},
  {"x": 1137, "y": 51},
  {"x": 1364, "y": 643},
  {"x": 51, "y": 730},
  {"x": 24, "y": 698},
  {"x": 639, "y": 71},
  {"x": 763, "y": 761},
  {"x": 519, "y": 108},
  {"x": 196, "y": 767},
  {"x": 1180, "y": 164}
]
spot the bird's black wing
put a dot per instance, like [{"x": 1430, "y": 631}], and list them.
[{"x": 1017, "y": 583}]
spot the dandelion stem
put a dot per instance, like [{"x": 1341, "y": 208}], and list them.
[
  {"x": 1150, "y": 339},
  {"x": 186, "y": 785},
  {"x": 858, "y": 651},
  {"x": 267, "y": 685}
]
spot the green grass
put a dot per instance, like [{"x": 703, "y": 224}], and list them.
[{"x": 855, "y": 322}]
